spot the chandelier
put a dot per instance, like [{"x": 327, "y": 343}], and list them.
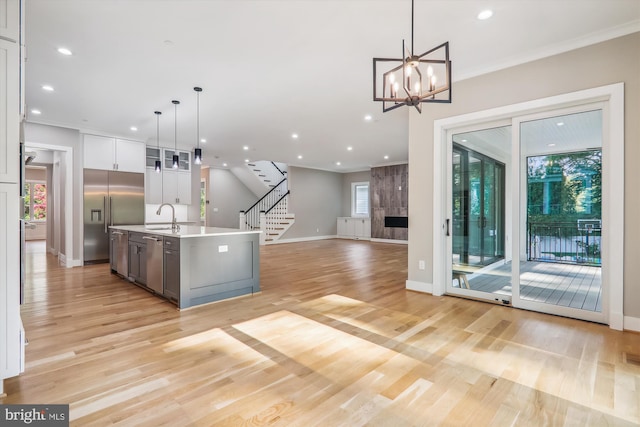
[{"x": 414, "y": 79}]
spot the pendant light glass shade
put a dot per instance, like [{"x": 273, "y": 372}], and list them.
[
  {"x": 158, "y": 167},
  {"x": 176, "y": 158},
  {"x": 197, "y": 155}
]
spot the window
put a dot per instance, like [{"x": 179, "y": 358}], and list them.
[
  {"x": 35, "y": 201},
  {"x": 360, "y": 199},
  {"x": 203, "y": 201}
]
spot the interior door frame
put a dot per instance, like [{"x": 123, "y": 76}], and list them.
[{"x": 612, "y": 97}]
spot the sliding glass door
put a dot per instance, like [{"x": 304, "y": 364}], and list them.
[
  {"x": 478, "y": 213},
  {"x": 561, "y": 221}
]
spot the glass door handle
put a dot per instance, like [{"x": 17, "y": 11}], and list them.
[{"x": 448, "y": 234}]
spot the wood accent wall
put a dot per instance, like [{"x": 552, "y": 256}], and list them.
[{"x": 389, "y": 197}]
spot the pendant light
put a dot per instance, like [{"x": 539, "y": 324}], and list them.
[
  {"x": 197, "y": 157},
  {"x": 413, "y": 79},
  {"x": 158, "y": 162},
  {"x": 176, "y": 158}
]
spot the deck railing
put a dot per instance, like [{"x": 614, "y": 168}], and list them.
[{"x": 568, "y": 243}]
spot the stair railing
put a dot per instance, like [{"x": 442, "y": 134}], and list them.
[
  {"x": 250, "y": 218},
  {"x": 274, "y": 220}
]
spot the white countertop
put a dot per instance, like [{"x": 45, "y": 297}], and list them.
[{"x": 185, "y": 230}]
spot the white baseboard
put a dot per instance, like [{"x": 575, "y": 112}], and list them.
[
  {"x": 413, "y": 285},
  {"x": 300, "y": 239},
  {"x": 74, "y": 263},
  {"x": 68, "y": 262},
  {"x": 399, "y": 242},
  {"x": 631, "y": 323}
]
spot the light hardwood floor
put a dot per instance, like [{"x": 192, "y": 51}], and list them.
[{"x": 334, "y": 339}]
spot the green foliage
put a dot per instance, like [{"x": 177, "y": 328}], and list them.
[{"x": 574, "y": 187}]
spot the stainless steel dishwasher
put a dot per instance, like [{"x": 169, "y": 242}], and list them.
[{"x": 154, "y": 263}]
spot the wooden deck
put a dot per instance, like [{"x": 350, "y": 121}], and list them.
[{"x": 567, "y": 285}]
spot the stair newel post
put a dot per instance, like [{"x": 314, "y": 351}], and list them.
[
  {"x": 263, "y": 227},
  {"x": 243, "y": 221}
]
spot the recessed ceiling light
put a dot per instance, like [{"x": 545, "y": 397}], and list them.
[
  {"x": 224, "y": 164},
  {"x": 48, "y": 88},
  {"x": 560, "y": 123},
  {"x": 299, "y": 156},
  {"x": 294, "y": 135},
  {"x": 349, "y": 148},
  {"x": 133, "y": 128},
  {"x": 338, "y": 163},
  {"x": 203, "y": 140},
  {"x": 368, "y": 117},
  {"x": 64, "y": 51},
  {"x": 245, "y": 148},
  {"x": 551, "y": 145},
  {"x": 36, "y": 112},
  {"x": 485, "y": 14},
  {"x": 246, "y": 160},
  {"x": 386, "y": 157}
]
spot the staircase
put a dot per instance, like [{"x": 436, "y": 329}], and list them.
[
  {"x": 269, "y": 173},
  {"x": 270, "y": 213}
]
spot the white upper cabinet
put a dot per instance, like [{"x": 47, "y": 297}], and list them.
[
  {"x": 176, "y": 187},
  {"x": 10, "y": 19},
  {"x": 130, "y": 156},
  {"x": 10, "y": 106},
  {"x": 184, "y": 160},
  {"x": 101, "y": 152},
  {"x": 9, "y": 91}
]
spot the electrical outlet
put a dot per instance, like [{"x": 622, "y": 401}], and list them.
[
  {"x": 421, "y": 265},
  {"x": 317, "y": 230}
]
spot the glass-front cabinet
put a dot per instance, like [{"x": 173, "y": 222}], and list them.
[
  {"x": 153, "y": 154},
  {"x": 184, "y": 157}
]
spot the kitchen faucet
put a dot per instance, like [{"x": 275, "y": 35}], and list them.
[{"x": 174, "y": 225}]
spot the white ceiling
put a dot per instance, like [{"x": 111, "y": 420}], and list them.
[{"x": 272, "y": 68}]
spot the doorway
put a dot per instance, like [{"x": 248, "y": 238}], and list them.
[{"x": 577, "y": 189}]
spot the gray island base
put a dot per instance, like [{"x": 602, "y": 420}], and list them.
[{"x": 192, "y": 266}]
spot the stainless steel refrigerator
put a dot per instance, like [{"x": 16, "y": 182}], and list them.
[{"x": 110, "y": 198}]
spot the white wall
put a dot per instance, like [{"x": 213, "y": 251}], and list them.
[
  {"x": 227, "y": 197},
  {"x": 316, "y": 201}
]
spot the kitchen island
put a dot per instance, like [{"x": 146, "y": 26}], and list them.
[{"x": 190, "y": 266}]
